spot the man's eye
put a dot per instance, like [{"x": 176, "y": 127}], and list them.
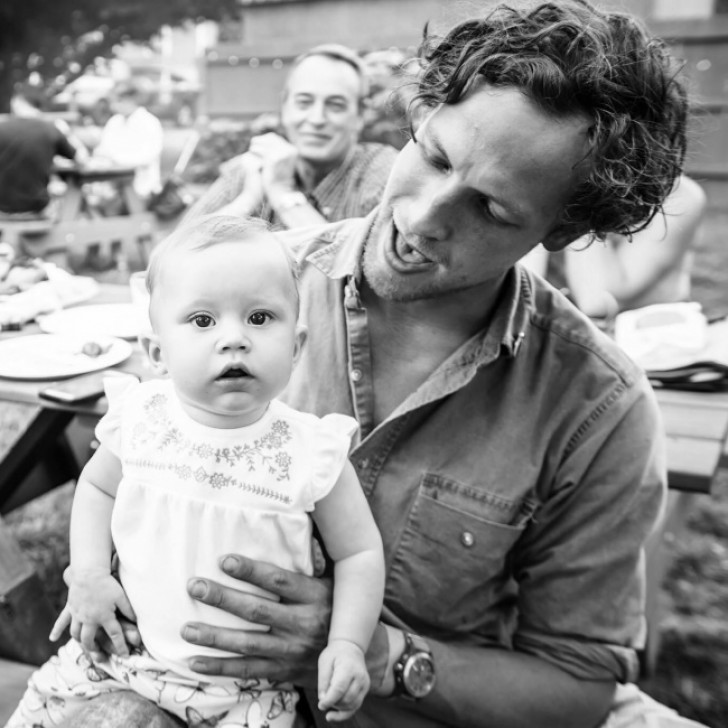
[
  {"x": 487, "y": 212},
  {"x": 203, "y": 321},
  {"x": 435, "y": 161},
  {"x": 259, "y": 318}
]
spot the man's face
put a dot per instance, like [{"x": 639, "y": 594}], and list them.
[
  {"x": 125, "y": 105},
  {"x": 484, "y": 183},
  {"x": 320, "y": 113}
]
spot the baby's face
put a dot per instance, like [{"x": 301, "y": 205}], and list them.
[{"x": 225, "y": 322}]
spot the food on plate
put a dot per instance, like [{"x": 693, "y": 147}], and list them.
[
  {"x": 94, "y": 348},
  {"x": 20, "y": 274}
]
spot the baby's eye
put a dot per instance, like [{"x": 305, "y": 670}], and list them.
[
  {"x": 203, "y": 321},
  {"x": 259, "y": 318}
]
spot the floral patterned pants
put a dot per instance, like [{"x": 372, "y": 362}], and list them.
[{"x": 62, "y": 686}]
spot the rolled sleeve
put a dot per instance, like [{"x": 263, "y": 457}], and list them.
[{"x": 581, "y": 564}]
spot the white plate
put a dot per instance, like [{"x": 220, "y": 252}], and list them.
[
  {"x": 104, "y": 319},
  {"x": 51, "y": 356}
]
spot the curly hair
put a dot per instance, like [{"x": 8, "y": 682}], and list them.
[{"x": 570, "y": 58}]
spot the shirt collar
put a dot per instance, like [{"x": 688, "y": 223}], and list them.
[{"x": 341, "y": 258}]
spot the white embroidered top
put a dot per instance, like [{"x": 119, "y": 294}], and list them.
[{"x": 190, "y": 494}]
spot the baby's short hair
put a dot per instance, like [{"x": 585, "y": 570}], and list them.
[{"x": 204, "y": 231}]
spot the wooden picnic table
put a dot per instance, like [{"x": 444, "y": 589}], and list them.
[
  {"x": 696, "y": 424},
  {"x": 79, "y": 225}
]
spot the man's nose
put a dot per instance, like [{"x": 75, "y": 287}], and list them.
[
  {"x": 316, "y": 113},
  {"x": 434, "y": 209}
]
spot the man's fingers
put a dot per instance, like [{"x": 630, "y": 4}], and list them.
[
  {"x": 238, "y": 667},
  {"x": 240, "y": 641},
  {"x": 288, "y": 585},
  {"x": 247, "y": 606}
]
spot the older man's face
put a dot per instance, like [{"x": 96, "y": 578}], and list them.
[{"x": 320, "y": 113}]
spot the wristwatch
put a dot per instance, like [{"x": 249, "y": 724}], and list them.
[
  {"x": 290, "y": 200},
  {"x": 414, "y": 671}
]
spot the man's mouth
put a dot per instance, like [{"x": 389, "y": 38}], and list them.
[{"x": 405, "y": 257}]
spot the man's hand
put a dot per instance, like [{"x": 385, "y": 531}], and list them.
[
  {"x": 94, "y": 596},
  {"x": 252, "y": 196},
  {"x": 298, "y": 624},
  {"x": 278, "y": 159}
]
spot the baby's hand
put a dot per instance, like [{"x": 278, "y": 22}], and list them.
[
  {"x": 343, "y": 680},
  {"x": 93, "y": 598}
]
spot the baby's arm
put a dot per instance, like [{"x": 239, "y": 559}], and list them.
[
  {"x": 353, "y": 542},
  {"x": 93, "y": 594}
]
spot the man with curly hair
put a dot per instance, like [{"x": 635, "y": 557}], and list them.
[{"x": 512, "y": 455}]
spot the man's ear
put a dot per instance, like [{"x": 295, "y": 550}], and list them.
[
  {"x": 560, "y": 237},
  {"x": 301, "y": 336},
  {"x": 150, "y": 344}
]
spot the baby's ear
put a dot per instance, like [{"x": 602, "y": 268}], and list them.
[
  {"x": 301, "y": 336},
  {"x": 150, "y": 344}
]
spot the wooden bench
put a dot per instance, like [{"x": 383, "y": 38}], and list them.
[{"x": 16, "y": 232}]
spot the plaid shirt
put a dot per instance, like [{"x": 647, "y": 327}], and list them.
[{"x": 351, "y": 190}]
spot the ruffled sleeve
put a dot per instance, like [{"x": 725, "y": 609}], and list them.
[
  {"x": 330, "y": 451},
  {"x": 108, "y": 430}
]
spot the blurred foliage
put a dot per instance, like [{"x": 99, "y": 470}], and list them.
[{"x": 62, "y": 37}]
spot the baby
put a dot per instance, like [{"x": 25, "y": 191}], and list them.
[{"x": 204, "y": 461}]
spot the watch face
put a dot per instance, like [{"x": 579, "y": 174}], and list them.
[{"x": 419, "y": 675}]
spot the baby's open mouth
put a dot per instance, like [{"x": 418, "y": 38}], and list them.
[{"x": 236, "y": 372}]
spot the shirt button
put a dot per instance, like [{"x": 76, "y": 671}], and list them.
[
  {"x": 364, "y": 464},
  {"x": 467, "y": 539},
  {"x": 355, "y": 375}
]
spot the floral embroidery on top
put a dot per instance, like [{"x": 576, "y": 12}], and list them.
[{"x": 266, "y": 453}]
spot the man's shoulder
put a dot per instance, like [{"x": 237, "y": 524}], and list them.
[
  {"x": 374, "y": 155},
  {"x": 575, "y": 339},
  {"x": 306, "y": 240}
]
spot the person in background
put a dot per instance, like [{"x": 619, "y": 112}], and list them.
[
  {"x": 315, "y": 170},
  {"x": 620, "y": 273},
  {"x": 29, "y": 143},
  {"x": 199, "y": 463},
  {"x": 511, "y": 453},
  {"x": 133, "y": 137}
]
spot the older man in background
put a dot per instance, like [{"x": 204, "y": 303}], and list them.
[{"x": 316, "y": 171}]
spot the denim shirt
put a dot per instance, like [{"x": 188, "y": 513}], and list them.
[{"x": 513, "y": 490}]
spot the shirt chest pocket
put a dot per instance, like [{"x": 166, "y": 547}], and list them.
[{"x": 450, "y": 569}]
